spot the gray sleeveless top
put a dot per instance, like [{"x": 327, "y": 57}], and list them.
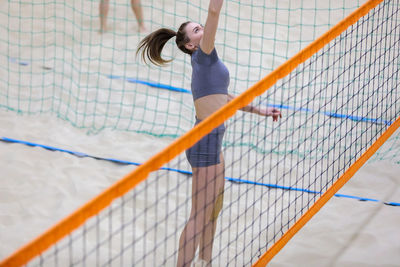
[{"x": 209, "y": 75}]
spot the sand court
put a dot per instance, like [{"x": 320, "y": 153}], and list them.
[{"x": 40, "y": 187}]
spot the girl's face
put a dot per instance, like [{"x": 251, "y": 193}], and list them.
[{"x": 194, "y": 32}]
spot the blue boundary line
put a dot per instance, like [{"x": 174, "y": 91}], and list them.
[
  {"x": 182, "y": 90},
  {"x": 234, "y": 180},
  {"x": 151, "y": 84},
  {"x": 82, "y": 155},
  {"x": 335, "y": 115}
]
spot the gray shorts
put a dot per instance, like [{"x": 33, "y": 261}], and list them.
[{"x": 206, "y": 151}]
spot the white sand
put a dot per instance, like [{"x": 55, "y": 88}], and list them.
[
  {"x": 349, "y": 232},
  {"x": 40, "y": 187}
]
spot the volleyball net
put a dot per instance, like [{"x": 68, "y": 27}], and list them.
[
  {"x": 57, "y": 63},
  {"x": 340, "y": 103}
]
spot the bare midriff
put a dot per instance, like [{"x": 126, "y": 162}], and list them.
[{"x": 207, "y": 105}]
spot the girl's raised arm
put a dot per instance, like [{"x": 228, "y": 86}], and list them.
[{"x": 210, "y": 28}]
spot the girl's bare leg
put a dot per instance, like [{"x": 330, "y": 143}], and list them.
[
  {"x": 103, "y": 11},
  {"x": 206, "y": 186},
  {"x": 207, "y": 238},
  {"x": 137, "y": 10}
]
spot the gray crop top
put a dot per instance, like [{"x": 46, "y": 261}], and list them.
[{"x": 209, "y": 75}]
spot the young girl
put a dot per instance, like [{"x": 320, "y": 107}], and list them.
[{"x": 210, "y": 81}]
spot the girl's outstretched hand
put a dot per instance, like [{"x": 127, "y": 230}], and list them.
[{"x": 270, "y": 112}]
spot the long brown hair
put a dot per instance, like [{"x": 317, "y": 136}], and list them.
[{"x": 152, "y": 45}]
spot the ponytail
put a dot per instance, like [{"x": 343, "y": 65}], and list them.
[{"x": 153, "y": 44}]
